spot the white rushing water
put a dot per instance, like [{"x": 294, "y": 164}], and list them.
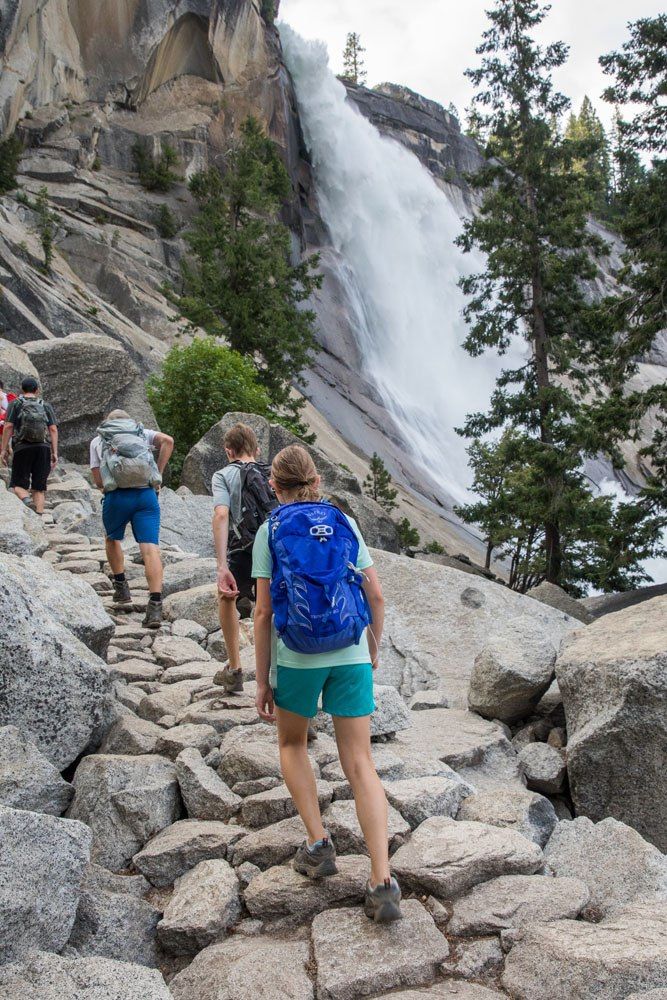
[{"x": 394, "y": 229}]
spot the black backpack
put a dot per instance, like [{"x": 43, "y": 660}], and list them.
[
  {"x": 34, "y": 422},
  {"x": 257, "y": 502}
]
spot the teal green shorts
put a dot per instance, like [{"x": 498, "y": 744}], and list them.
[{"x": 347, "y": 690}]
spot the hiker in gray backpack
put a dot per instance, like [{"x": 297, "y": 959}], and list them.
[
  {"x": 124, "y": 467},
  {"x": 242, "y": 500},
  {"x": 31, "y": 431}
]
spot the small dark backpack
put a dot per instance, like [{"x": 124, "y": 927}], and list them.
[
  {"x": 34, "y": 422},
  {"x": 257, "y": 502}
]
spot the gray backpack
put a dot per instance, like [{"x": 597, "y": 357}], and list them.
[
  {"x": 127, "y": 458},
  {"x": 34, "y": 422}
]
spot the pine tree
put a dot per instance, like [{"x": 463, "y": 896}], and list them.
[
  {"x": 240, "y": 283},
  {"x": 10, "y": 154},
  {"x": 532, "y": 231},
  {"x": 377, "y": 484},
  {"x": 640, "y": 309},
  {"x": 46, "y": 226},
  {"x": 626, "y": 165},
  {"x": 408, "y": 536},
  {"x": 586, "y": 127},
  {"x": 353, "y": 63}
]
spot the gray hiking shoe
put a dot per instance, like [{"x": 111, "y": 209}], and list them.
[
  {"x": 382, "y": 904},
  {"x": 316, "y": 862},
  {"x": 153, "y": 618},
  {"x": 121, "y": 592},
  {"x": 230, "y": 680}
]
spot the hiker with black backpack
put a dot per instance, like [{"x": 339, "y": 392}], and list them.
[
  {"x": 31, "y": 431},
  {"x": 318, "y": 624},
  {"x": 124, "y": 467},
  {"x": 242, "y": 499}
]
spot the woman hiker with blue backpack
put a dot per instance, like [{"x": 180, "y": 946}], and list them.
[{"x": 318, "y": 624}]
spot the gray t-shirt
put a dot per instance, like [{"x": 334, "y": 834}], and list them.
[{"x": 226, "y": 489}]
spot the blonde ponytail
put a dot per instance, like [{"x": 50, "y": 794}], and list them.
[{"x": 295, "y": 475}]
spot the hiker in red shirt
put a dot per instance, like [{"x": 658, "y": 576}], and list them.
[{"x": 5, "y": 399}]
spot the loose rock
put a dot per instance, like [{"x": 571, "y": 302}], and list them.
[
  {"x": 357, "y": 958},
  {"x": 448, "y": 857},
  {"x": 204, "y": 906},
  {"x": 544, "y": 767},
  {"x": 514, "y": 809},
  {"x": 517, "y": 901},
  {"x": 282, "y": 892},
  {"x": 125, "y": 800},
  {"x": 53, "y": 977},
  {"x": 184, "y": 845},
  {"x": 205, "y": 794}
]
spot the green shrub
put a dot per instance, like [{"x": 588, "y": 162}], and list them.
[
  {"x": 434, "y": 549},
  {"x": 165, "y": 222},
  {"x": 156, "y": 173},
  {"x": 46, "y": 226},
  {"x": 10, "y": 152},
  {"x": 269, "y": 11},
  {"x": 197, "y": 385}
]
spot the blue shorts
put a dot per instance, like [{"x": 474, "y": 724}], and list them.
[
  {"x": 347, "y": 690},
  {"x": 140, "y": 508}
]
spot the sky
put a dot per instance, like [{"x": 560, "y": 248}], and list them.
[{"x": 427, "y": 44}]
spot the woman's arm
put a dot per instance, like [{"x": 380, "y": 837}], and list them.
[
  {"x": 263, "y": 618},
  {"x": 373, "y": 592}
]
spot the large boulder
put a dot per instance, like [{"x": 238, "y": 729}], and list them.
[
  {"x": 613, "y": 679},
  {"x": 186, "y": 521},
  {"x": 125, "y": 800},
  {"x": 15, "y": 365},
  {"x": 199, "y": 604},
  {"x": 53, "y": 977},
  {"x": 512, "y": 671},
  {"x": 187, "y": 573},
  {"x": 21, "y": 531},
  {"x": 208, "y": 455},
  {"x": 68, "y": 599},
  {"x": 42, "y": 863},
  {"x": 438, "y": 620},
  {"x": 205, "y": 904},
  {"x": 616, "y": 863},
  {"x": 556, "y": 597},
  {"x": 574, "y": 960},
  {"x": 84, "y": 376},
  {"x": 53, "y": 687},
  {"x": 27, "y": 779}
]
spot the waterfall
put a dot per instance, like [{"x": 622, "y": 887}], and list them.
[{"x": 394, "y": 229}]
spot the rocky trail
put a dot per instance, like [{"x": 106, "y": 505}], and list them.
[{"x": 146, "y": 835}]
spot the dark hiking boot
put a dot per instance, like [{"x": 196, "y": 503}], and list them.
[
  {"x": 121, "y": 592},
  {"x": 382, "y": 904},
  {"x": 153, "y": 617},
  {"x": 230, "y": 680},
  {"x": 317, "y": 861}
]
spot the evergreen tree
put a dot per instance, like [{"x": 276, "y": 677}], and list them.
[
  {"x": 156, "y": 173},
  {"x": 408, "y": 536},
  {"x": 640, "y": 71},
  {"x": 538, "y": 251},
  {"x": 453, "y": 111},
  {"x": 46, "y": 226},
  {"x": 240, "y": 282},
  {"x": 587, "y": 128},
  {"x": 377, "y": 484},
  {"x": 353, "y": 63},
  {"x": 640, "y": 309},
  {"x": 626, "y": 165},
  {"x": 10, "y": 153}
]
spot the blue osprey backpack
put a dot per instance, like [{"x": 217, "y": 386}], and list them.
[{"x": 316, "y": 590}]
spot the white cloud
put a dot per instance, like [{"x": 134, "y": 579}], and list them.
[{"x": 427, "y": 44}]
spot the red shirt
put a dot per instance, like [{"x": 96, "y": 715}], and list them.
[{"x": 5, "y": 399}]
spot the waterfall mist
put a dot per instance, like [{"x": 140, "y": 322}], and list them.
[{"x": 394, "y": 228}]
